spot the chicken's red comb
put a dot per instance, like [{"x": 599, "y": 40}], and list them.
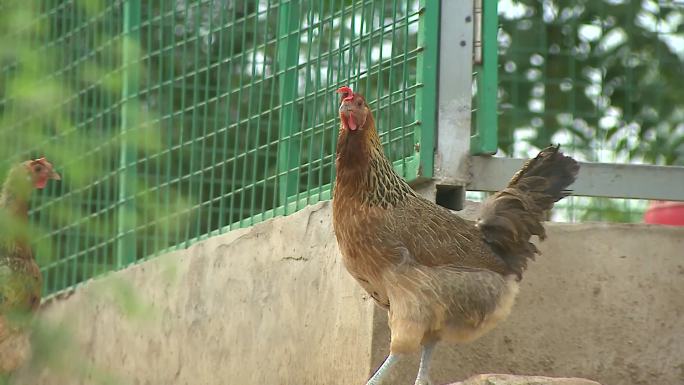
[
  {"x": 40, "y": 160},
  {"x": 347, "y": 93}
]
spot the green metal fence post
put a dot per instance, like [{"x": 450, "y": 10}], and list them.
[
  {"x": 485, "y": 139},
  {"x": 426, "y": 95},
  {"x": 126, "y": 241},
  {"x": 288, "y": 58}
]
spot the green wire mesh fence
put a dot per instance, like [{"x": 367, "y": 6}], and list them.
[{"x": 175, "y": 120}]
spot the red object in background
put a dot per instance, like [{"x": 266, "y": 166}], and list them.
[{"x": 665, "y": 213}]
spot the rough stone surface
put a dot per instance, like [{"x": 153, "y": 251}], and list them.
[
  {"x": 274, "y": 305},
  {"x": 507, "y": 379}
]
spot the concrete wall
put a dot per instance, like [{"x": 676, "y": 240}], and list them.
[{"x": 273, "y": 305}]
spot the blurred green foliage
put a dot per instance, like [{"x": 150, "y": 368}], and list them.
[
  {"x": 602, "y": 76},
  {"x": 64, "y": 69},
  {"x": 57, "y": 351}
]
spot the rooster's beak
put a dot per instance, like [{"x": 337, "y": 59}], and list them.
[{"x": 55, "y": 176}]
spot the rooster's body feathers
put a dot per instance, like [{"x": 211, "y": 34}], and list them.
[
  {"x": 20, "y": 278},
  {"x": 440, "y": 276}
]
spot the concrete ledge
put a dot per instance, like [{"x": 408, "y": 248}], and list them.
[
  {"x": 273, "y": 305},
  {"x": 506, "y": 379}
]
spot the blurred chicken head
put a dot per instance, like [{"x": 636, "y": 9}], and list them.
[{"x": 40, "y": 171}]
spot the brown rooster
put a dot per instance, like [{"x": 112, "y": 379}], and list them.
[
  {"x": 442, "y": 278},
  {"x": 20, "y": 279}
]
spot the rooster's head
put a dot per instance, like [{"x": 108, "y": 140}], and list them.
[
  {"x": 354, "y": 111},
  {"x": 40, "y": 171}
]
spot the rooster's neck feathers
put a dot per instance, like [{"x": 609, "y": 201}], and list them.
[
  {"x": 14, "y": 206},
  {"x": 15, "y": 193},
  {"x": 363, "y": 171}
]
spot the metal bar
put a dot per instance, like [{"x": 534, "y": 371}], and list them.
[
  {"x": 426, "y": 96},
  {"x": 272, "y": 101},
  {"x": 288, "y": 58},
  {"x": 391, "y": 81},
  {"x": 455, "y": 93},
  {"x": 195, "y": 103},
  {"x": 595, "y": 179},
  {"x": 226, "y": 205},
  {"x": 477, "y": 32},
  {"x": 126, "y": 242},
  {"x": 485, "y": 139}
]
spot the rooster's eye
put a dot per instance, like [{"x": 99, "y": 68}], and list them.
[
  {"x": 38, "y": 168},
  {"x": 359, "y": 103}
]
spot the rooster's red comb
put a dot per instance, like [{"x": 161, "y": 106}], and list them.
[
  {"x": 347, "y": 93},
  {"x": 40, "y": 160}
]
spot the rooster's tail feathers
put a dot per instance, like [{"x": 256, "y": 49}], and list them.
[{"x": 510, "y": 217}]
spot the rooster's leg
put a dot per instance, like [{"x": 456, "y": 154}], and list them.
[
  {"x": 424, "y": 369},
  {"x": 383, "y": 370}
]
